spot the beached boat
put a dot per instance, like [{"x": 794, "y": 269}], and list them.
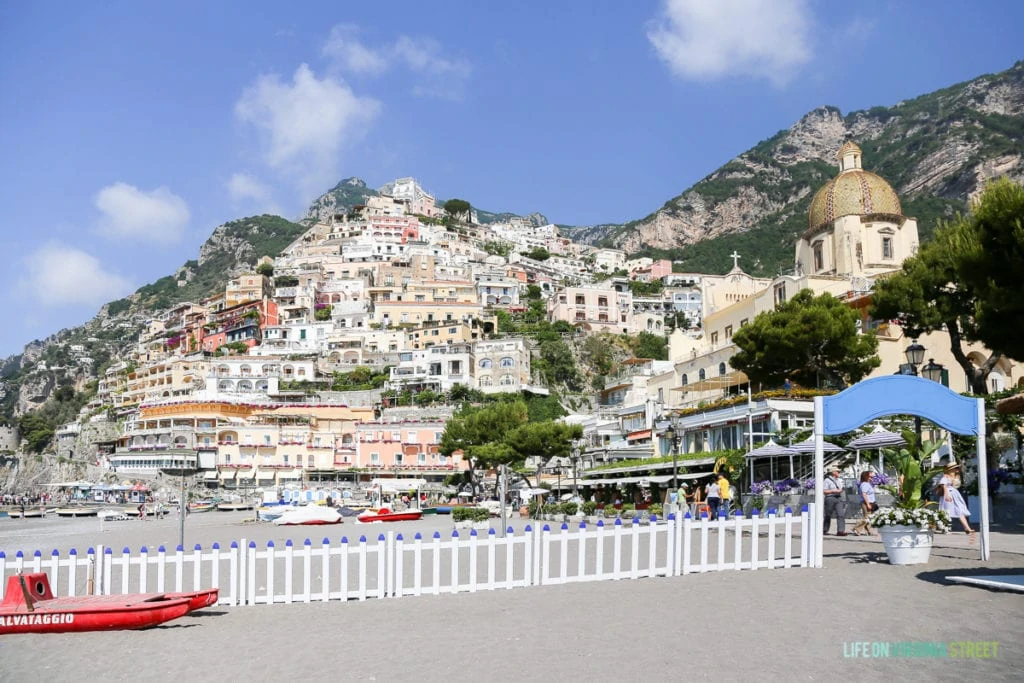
[
  {"x": 234, "y": 507},
  {"x": 112, "y": 514},
  {"x": 308, "y": 514},
  {"x": 76, "y": 511},
  {"x": 268, "y": 513},
  {"x": 30, "y": 607},
  {"x": 202, "y": 506},
  {"x": 27, "y": 512},
  {"x": 386, "y": 515}
]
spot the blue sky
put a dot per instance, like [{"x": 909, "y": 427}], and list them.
[{"x": 130, "y": 131}]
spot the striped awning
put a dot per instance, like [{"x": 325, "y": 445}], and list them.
[{"x": 879, "y": 438}]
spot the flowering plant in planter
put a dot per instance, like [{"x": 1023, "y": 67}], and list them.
[
  {"x": 762, "y": 488},
  {"x": 922, "y": 517},
  {"x": 878, "y": 479},
  {"x": 809, "y": 484},
  {"x": 786, "y": 485}
]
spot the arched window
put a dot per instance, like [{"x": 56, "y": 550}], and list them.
[
  {"x": 701, "y": 375},
  {"x": 245, "y": 385},
  {"x": 485, "y": 363},
  {"x": 508, "y": 362},
  {"x": 721, "y": 368},
  {"x": 486, "y": 381},
  {"x": 685, "y": 381},
  {"x": 507, "y": 380}
]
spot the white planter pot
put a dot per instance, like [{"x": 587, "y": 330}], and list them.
[{"x": 906, "y": 544}]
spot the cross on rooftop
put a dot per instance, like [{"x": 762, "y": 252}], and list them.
[{"x": 735, "y": 259}]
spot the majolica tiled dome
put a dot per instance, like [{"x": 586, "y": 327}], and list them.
[{"x": 854, "y": 192}]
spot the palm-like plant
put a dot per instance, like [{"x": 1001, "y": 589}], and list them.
[{"x": 910, "y": 463}]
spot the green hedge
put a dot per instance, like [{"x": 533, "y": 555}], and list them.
[{"x": 462, "y": 514}]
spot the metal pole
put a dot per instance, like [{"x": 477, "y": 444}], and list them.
[{"x": 503, "y": 473}]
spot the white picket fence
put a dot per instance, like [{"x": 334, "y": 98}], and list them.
[{"x": 466, "y": 561}]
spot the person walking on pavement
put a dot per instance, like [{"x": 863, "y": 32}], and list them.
[
  {"x": 725, "y": 491},
  {"x": 835, "y": 505}
]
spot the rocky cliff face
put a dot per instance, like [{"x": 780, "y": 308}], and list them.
[
  {"x": 338, "y": 200},
  {"x": 943, "y": 145}
]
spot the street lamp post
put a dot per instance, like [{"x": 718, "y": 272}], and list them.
[
  {"x": 673, "y": 440},
  {"x": 915, "y": 356}
]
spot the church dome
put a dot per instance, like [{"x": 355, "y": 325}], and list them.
[{"x": 854, "y": 192}]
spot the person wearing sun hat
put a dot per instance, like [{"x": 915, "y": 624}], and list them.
[{"x": 950, "y": 499}]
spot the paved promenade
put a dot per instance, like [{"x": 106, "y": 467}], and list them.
[{"x": 765, "y": 625}]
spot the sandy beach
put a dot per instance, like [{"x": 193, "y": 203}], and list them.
[{"x": 796, "y": 624}]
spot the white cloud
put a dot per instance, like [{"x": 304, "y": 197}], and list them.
[
  {"x": 58, "y": 274},
  {"x": 243, "y": 186},
  {"x": 349, "y": 54},
  {"x": 704, "y": 40},
  {"x": 155, "y": 216},
  {"x": 437, "y": 75},
  {"x": 305, "y": 123}
]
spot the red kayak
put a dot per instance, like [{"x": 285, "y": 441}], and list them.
[
  {"x": 386, "y": 515},
  {"x": 30, "y": 607}
]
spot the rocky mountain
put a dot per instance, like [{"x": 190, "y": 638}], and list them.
[
  {"x": 936, "y": 150},
  {"x": 339, "y": 199}
]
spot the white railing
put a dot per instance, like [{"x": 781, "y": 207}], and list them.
[{"x": 466, "y": 561}]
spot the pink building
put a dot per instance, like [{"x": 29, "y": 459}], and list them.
[
  {"x": 595, "y": 309},
  {"x": 406, "y": 448},
  {"x": 655, "y": 271}
]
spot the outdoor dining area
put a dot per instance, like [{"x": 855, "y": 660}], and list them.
[{"x": 784, "y": 474}]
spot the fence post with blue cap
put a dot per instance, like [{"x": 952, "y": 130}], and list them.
[
  {"x": 787, "y": 550},
  {"x": 362, "y": 568},
  {"x": 346, "y": 551},
  {"x": 509, "y": 540},
  {"x": 325, "y": 570},
  {"x": 289, "y": 562},
  {"x": 384, "y": 565},
  {"x": 108, "y": 562},
  {"x": 454, "y": 578},
  {"x": 600, "y": 534},
  {"x": 161, "y": 564},
  {"x": 806, "y": 535},
  {"x": 250, "y": 570},
  {"x": 271, "y": 555},
  {"x": 754, "y": 525},
  {"x": 652, "y": 533},
  {"x": 634, "y": 549},
  {"x": 399, "y": 565},
  {"x": 563, "y": 556},
  {"x": 737, "y": 552},
  {"x": 581, "y": 551},
  {"x": 687, "y": 543},
  {"x": 492, "y": 539},
  {"x": 472, "y": 560},
  {"x": 772, "y": 524},
  {"x": 617, "y": 550},
  {"x": 417, "y": 565},
  {"x": 436, "y": 564}
]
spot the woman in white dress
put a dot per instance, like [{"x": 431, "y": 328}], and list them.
[{"x": 950, "y": 499}]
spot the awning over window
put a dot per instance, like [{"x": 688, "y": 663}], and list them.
[
  {"x": 247, "y": 474},
  {"x": 290, "y": 474},
  {"x": 209, "y": 476},
  {"x": 226, "y": 475}
]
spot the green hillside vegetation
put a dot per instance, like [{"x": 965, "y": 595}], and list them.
[
  {"x": 266, "y": 234},
  {"x": 909, "y": 133}
]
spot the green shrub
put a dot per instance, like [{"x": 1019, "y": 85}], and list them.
[
  {"x": 655, "y": 509},
  {"x": 569, "y": 508},
  {"x": 462, "y": 514},
  {"x": 589, "y": 507}
]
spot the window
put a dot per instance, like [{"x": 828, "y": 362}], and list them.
[
  {"x": 602, "y": 317},
  {"x": 744, "y": 322},
  {"x": 602, "y": 301},
  {"x": 685, "y": 381},
  {"x": 701, "y": 375},
  {"x": 507, "y": 380},
  {"x": 266, "y": 439},
  {"x": 375, "y": 458},
  {"x": 887, "y": 248},
  {"x": 580, "y": 315},
  {"x": 819, "y": 257},
  {"x": 721, "y": 369},
  {"x": 485, "y": 363},
  {"x": 714, "y": 340},
  {"x": 508, "y": 362},
  {"x": 396, "y": 436},
  {"x": 580, "y": 300},
  {"x": 780, "y": 293},
  {"x": 411, "y": 437},
  {"x": 309, "y": 461},
  {"x": 728, "y": 331}
]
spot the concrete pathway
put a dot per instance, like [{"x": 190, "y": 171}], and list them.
[{"x": 798, "y": 624}]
